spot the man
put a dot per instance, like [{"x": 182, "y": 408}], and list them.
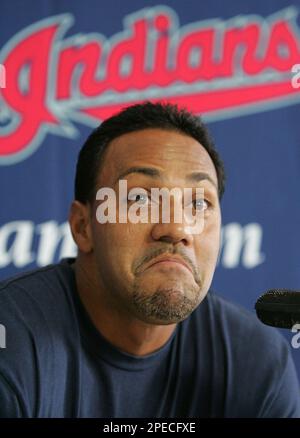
[{"x": 129, "y": 328}]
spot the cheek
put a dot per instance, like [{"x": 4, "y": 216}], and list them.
[
  {"x": 119, "y": 244},
  {"x": 208, "y": 243}
]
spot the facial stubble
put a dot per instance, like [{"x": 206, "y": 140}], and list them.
[{"x": 166, "y": 304}]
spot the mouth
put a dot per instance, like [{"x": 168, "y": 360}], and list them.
[{"x": 170, "y": 261}]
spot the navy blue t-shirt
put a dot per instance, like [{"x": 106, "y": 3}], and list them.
[{"x": 219, "y": 362}]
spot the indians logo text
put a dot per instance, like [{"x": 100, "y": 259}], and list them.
[{"x": 214, "y": 67}]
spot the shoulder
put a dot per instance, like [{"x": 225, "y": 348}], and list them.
[
  {"x": 254, "y": 356},
  {"x": 32, "y": 302},
  {"x": 241, "y": 325},
  {"x": 36, "y": 313},
  {"x": 48, "y": 277},
  {"x": 36, "y": 291}
]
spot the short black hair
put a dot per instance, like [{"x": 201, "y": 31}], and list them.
[{"x": 135, "y": 118}]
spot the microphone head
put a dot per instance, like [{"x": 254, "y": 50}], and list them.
[{"x": 279, "y": 308}]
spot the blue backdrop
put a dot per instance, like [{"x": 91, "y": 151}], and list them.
[{"x": 69, "y": 64}]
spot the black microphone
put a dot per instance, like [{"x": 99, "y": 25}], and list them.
[{"x": 279, "y": 308}]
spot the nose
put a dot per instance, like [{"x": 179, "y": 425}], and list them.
[{"x": 172, "y": 233}]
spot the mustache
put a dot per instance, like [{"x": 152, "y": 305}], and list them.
[{"x": 166, "y": 249}]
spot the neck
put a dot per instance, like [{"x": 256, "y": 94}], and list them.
[{"x": 119, "y": 327}]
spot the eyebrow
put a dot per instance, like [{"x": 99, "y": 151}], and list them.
[
  {"x": 200, "y": 176},
  {"x": 155, "y": 173},
  {"x": 148, "y": 171}
]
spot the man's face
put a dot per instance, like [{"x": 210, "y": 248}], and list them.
[{"x": 125, "y": 253}]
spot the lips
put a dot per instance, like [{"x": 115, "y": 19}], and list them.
[{"x": 168, "y": 258}]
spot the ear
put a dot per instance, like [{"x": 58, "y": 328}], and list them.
[{"x": 80, "y": 224}]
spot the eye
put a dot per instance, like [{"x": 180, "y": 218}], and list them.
[
  {"x": 138, "y": 197},
  {"x": 200, "y": 204}
]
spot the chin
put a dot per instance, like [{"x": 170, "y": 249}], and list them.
[{"x": 167, "y": 304}]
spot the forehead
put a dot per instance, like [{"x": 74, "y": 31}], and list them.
[{"x": 173, "y": 153}]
